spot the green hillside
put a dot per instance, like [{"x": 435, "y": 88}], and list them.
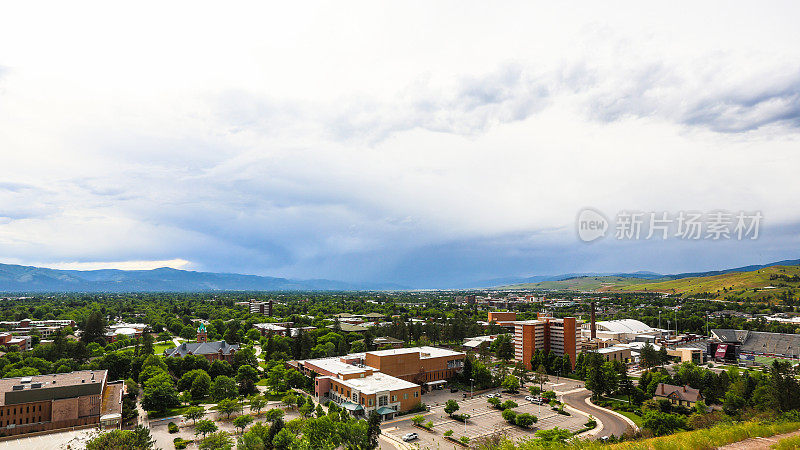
[
  {"x": 770, "y": 283},
  {"x": 589, "y": 283},
  {"x": 775, "y": 282}
]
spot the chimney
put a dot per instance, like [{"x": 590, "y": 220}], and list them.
[{"x": 594, "y": 324}]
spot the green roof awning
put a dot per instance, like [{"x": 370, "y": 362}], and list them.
[
  {"x": 352, "y": 406},
  {"x": 384, "y": 411}
]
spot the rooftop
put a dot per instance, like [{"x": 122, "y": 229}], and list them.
[
  {"x": 425, "y": 352},
  {"x": 334, "y": 365},
  {"x": 46, "y": 383},
  {"x": 377, "y": 382},
  {"x": 624, "y": 326},
  {"x": 201, "y": 348}
]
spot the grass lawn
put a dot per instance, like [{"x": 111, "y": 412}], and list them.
[
  {"x": 170, "y": 412},
  {"x": 159, "y": 348},
  {"x": 636, "y": 419}
]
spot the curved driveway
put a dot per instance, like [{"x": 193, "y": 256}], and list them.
[{"x": 611, "y": 423}]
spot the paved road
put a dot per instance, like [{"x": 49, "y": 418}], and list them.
[{"x": 611, "y": 423}]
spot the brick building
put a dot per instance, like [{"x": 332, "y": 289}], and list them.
[
  {"x": 21, "y": 343},
  {"x": 386, "y": 381},
  {"x": 55, "y": 401},
  {"x": 558, "y": 336},
  {"x": 213, "y": 351}
]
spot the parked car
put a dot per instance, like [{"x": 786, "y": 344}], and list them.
[
  {"x": 489, "y": 395},
  {"x": 410, "y": 437},
  {"x": 452, "y": 389},
  {"x": 529, "y": 398}
]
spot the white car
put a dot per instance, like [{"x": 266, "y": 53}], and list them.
[
  {"x": 410, "y": 437},
  {"x": 529, "y": 398}
]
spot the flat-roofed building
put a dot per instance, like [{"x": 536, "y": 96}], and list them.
[
  {"x": 21, "y": 343},
  {"x": 558, "y": 336},
  {"x": 615, "y": 353},
  {"x": 431, "y": 366},
  {"x": 502, "y": 316},
  {"x": 55, "y": 401}
]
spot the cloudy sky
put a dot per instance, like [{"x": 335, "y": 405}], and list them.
[{"x": 423, "y": 143}]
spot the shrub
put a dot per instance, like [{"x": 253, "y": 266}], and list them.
[
  {"x": 429, "y": 425},
  {"x": 525, "y": 420},
  {"x": 508, "y": 404},
  {"x": 494, "y": 402},
  {"x": 417, "y": 420},
  {"x": 180, "y": 443},
  {"x": 510, "y": 416},
  {"x": 448, "y": 433},
  {"x": 464, "y": 440},
  {"x": 172, "y": 427}
]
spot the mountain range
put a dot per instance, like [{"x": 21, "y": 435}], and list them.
[
  {"x": 23, "y": 279},
  {"x": 29, "y": 279}
]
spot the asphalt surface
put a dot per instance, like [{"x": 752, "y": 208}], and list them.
[{"x": 612, "y": 425}]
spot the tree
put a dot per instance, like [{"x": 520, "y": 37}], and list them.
[
  {"x": 201, "y": 386},
  {"x": 662, "y": 423},
  {"x": 511, "y": 384},
  {"x": 273, "y": 414},
  {"x": 223, "y": 387},
  {"x": 534, "y": 390},
  {"x": 247, "y": 377},
  {"x": 147, "y": 344},
  {"x": 159, "y": 393},
  {"x": 525, "y": 420},
  {"x": 508, "y": 404},
  {"x": 220, "y": 367},
  {"x": 540, "y": 376},
  {"x": 204, "y": 427},
  {"x": 257, "y": 403},
  {"x": 94, "y": 329},
  {"x": 283, "y": 440},
  {"x": 373, "y": 429},
  {"x": 193, "y": 413},
  {"x": 450, "y": 407},
  {"x": 228, "y": 406},
  {"x": 217, "y": 441},
  {"x": 307, "y": 408},
  {"x": 503, "y": 347},
  {"x": 509, "y": 415},
  {"x": 648, "y": 356},
  {"x": 242, "y": 422},
  {"x": 494, "y": 401},
  {"x": 136, "y": 439}
]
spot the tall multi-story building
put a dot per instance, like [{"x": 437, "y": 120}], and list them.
[
  {"x": 558, "y": 336},
  {"x": 55, "y": 401},
  {"x": 260, "y": 308}
]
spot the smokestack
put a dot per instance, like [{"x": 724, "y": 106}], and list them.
[{"x": 594, "y": 324}]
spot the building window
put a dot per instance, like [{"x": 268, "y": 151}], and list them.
[
  {"x": 371, "y": 402},
  {"x": 405, "y": 396},
  {"x": 355, "y": 397},
  {"x": 394, "y": 398},
  {"x": 383, "y": 400},
  {"x": 416, "y": 394}
]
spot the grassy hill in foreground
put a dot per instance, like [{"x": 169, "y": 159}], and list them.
[
  {"x": 770, "y": 282},
  {"x": 715, "y": 437}
]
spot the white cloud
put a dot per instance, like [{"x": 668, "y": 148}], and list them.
[{"x": 291, "y": 140}]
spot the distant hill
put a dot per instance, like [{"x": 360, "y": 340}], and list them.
[
  {"x": 768, "y": 281},
  {"x": 28, "y": 279}
]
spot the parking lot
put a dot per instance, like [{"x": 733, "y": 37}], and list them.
[{"x": 484, "y": 419}]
